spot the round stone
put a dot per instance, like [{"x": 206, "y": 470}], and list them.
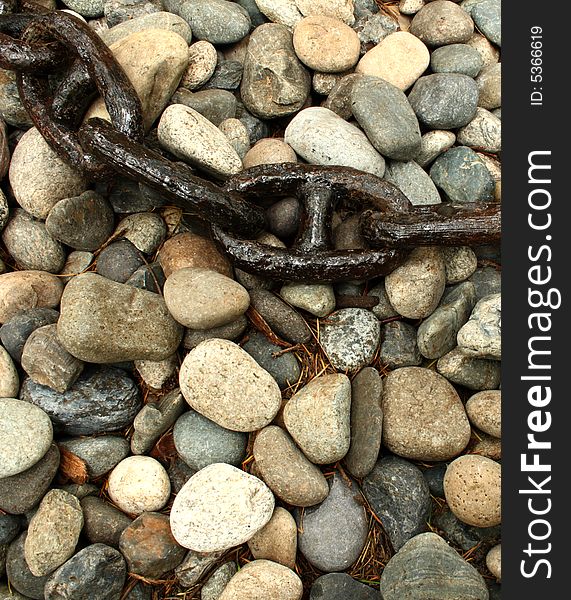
[
  {"x": 485, "y": 411},
  {"x": 269, "y": 151},
  {"x": 154, "y": 20},
  {"x": 473, "y": 373},
  {"x": 423, "y": 416},
  {"x": 277, "y": 540},
  {"x": 472, "y": 486},
  {"x": 494, "y": 561},
  {"x": 202, "y": 60},
  {"x": 337, "y": 9},
  {"x": 26, "y": 432},
  {"x": 216, "y": 21},
  {"x": 442, "y": 22},
  {"x": 18, "y": 572},
  {"x": 220, "y": 507},
  {"x": 481, "y": 336},
  {"x": 100, "y": 453},
  {"x": 456, "y": 58},
  {"x": 460, "y": 263},
  {"x": 215, "y": 584},
  {"x": 103, "y": 523},
  {"x": 237, "y": 134},
  {"x": 317, "y": 299},
  {"x": 433, "y": 144},
  {"x": 341, "y": 586},
  {"x": 139, "y": 484},
  {"x": 487, "y": 16},
  {"x": 483, "y": 132}
]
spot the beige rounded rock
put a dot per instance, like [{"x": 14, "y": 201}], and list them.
[
  {"x": 9, "y": 380},
  {"x": 460, "y": 263},
  {"x": 488, "y": 446},
  {"x": 269, "y": 151},
  {"x": 39, "y": 178},
  {"x": 423, "y": 416},
  {"x": 442, "y": 22},
  {"x": 494, "y": 561},
  {"x": 490, "y": 85},
  {"x": 284, "y": 12},
  {"x": 326, "y": 44},
  {"x": 472, "y": 487},
  {"x": 201, "y": 298},
  {"x": 202, "y": 60},
  {"x": 226, "y": 385},
  {"x": 337, "y": 9},
  {"x": 20, "y": 290},
  {"x": 191, "y": 250},
  {"x": 489, "y": 53},
  {"x": 414, "y": 288},
  {"x": 155, "y": 373},
  {"x": 433, "y": 144},
  {"x": 237, "y": 135},
  {"x": 483, "y": 132},
  {"x": 485, "y": 411},
  {"x": 139, "y": 484},
  {"x": 277, "y": 540},
  {"x": 410, "y": 7},
  {"x": 400, "y": 58},
  {"x": 220, "y": 507},
  {"x": 263, "y": 579}
]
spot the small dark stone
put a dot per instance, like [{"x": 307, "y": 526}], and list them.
[
  {"x": 126, "y": 196},
  {"x": 230, "y": 331},
  {"x": 119, "y": 261},
  {"x": 340, "y": 586},
  {"x": 226, "y": 76},
  {"x": 257, "y": 129},
  {"x": 103, "y": 523},
  {"x": 486, "y": 280},
  {"x": 398, "y": 345},
  {"x": 100, "y": 453},
  {"x": 283, "y": 217},
  {"x": 179, "y": 473},
  {"x": 9, "y": 527},
  {"x": 256, "y": 16},
  {"x": 463, "y": 535},
  {"x": 214, "y": 105},
  {"x": 148, "y": 277},
  {"x": 97, "y": 571},
  {"x": 435, "y": 479},
  {"x": 19, "y": 574}
]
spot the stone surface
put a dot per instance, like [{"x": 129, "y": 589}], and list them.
[
  {"x": 269, "y": 151},
  {"x": 202, "y": 60},
  {"x": 145, "y": 230},
  {"x": 195, "y": 565},
  {"x": 428, "y": 563},
  {"x": 53, "y": 532},
  {"x": 323, "y": 138},
  {"x": 156, "y": 373},
  {"x": 486, "y": 280},
  {"x": 399, "y": 496},
  {"x": 220, "y": 507},
  {"x": 18, "y": 573},
  {"x": 119, "y": 261},
  {"x": 103, "y": 322},
  {"x": 472, "y": 486},
  {"x": 442, "y": 22},
  {"x": 484, "y": 410},
  {"x": 117, "y": 11},
  {"x": 473, "y": 373},
  {"x": 317, "y": 299},
  {"x": 318, "y": 418},
  {"x": 286, "y": 470},
  {"x": 214, "y": 105},
  {"x": 103, "y": 523},
  {"x": 284, "y": 12},
  {"x": 9, "y": 379},
  {"x": 481, "y": 335},
  {"x": 490, "y": 85},
  {"x": 237, "y": 135},
  {"x": 456, "y": 58},
  {"x": 483, "y": 132},
  {"x": 460, "y": 263},
  {"x": 433, "y": 144},
  {"x": 341, "y": 586},
  {"x": 9, "y": 528},
  {"x": 100, "y": 453},
  {"x": 413, "y": 181},
  {"x": 339, "y": 99},
  {"x": 102, "y": 400},
  {"x": 494, "y": 561},
  {"x": 216, "y": 583},
  {"x": 277, "y": 540},
  {"x": 230, "y": 331},
  {"x": 156, "y": 20},
  {"x": 216, "y": 21},
  {"x": 223, "y": 383},
  {"x": 399, "y": 346},
  {"x": 423, "y": 416}
]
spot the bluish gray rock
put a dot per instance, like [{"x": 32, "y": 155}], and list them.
[
  {"x": 341, "y": 586},
  {"x": 473, "y": 373},
  {"x": 413, "y": 181},
  {"x": 456, "y": 58},
  {"x": 487, "y": 16},
  {"x": 119, "y": 261},
  {"x": 215, "y": 105},
  {"x": 216, "y": 21},
  {"x": 9, "y": 527},
  {"x": 100, "y": 453},
  {"x": 486, "y": 280},
  {"x": 465, "y": 536},
  {"x": 19, "y": 574},
  {"x": 398, "y": 345},
  {"x": 117, "y": 11}
]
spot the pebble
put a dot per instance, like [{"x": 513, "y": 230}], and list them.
[
  {"x": 215, "y": 584},
  {"x": 117, "y": 11},
  {"x": 9, "y": 379},
  {"x": 462, "y": 535},
  {"x": 317, "y": 299},
  {"x": 225, "y": 384},
  {"x": 318, "y": 418},
  {"x": 481, "y": 335},
  {"x": 11, "y": 108},
  {"x": 191, "y": 250},
  {"x": 22, "y": 492},
  {"x": 286, "y": 322},
  {"x": 145, "y": 230},
  {"x": 332, "y": 535},
  {"x": 95, "y": 571},
  {"x": 237, "y": 135},
  {"x": 156, "y": 373},
  {"x": 283, "y": 219},
  {"x": 156, "y": 20},
  {"x": 83, "y": 222},
  {"x": 100, "y": 454},
  {"x": 274, "y": 83},
  {"x": 284, "y": 368},
  {"x": 423, "y": 416},
  {"x": 149, "y": 546},
  {"x": 433, "y": 144},
  {"x": 30, "y": 244},
  {"x": 400, "y": 59},
  {"x": 490, "y": 54},
  {"x": 399, "y": 496},
  {"x": 489, "y": 83},
  {"x": 415, "y": 288},
  {"x": 53, "y": 532},
  {"x": 103, "y": 321},
  {"x": 149, "y": 277},
  {"x": 341, "y": 586},
  {"x": 413, "y": 181},
  {"x": 201, "y": 298},
  {"x": 202, "y": 61},
  {"x": 321, "y": 137},
  {"x": 191, "y": 137},
  {"x": 472, "y": 486},
  {"x": 488, "y": 446},
  {"x": 18, "y": 573},
  {"x": 128, "y": 196},
  {"x": 456, "y": 58},
  {"x": 339, "y": 99},
  {"x": 39, "y": 178},
  {"x": 473, "y": 373},
  {"x": 323, "y": 83},
  {"x": 410, "y": 7},
  {"x": 284, "y": 12},
  {"x": 460, "y": 262},
  {"x": 326, "y": 44},
  {"x": 4, "y": 208},
  {"x": 444, "y": 100},
  {"x": 484, "y": 410},
  {"x": 9, "y": 528},
  {"x": 216, "y": 21},
  {"x": 463, "y": 176},
  {"x": 441, "y": 23},
  {"x": 350, "y": 338},
  {"x": 263, "y": 579},
  {"x": 337, "y": 9},
  {"x": 487, "y": 16},
  {"x": 494, "y": 561},
  {"x": 214, "y": 105},
  {"x": 231, "y": 331},
  {"x": 483, "y": 132},
  {"x": 269, "y": 151},
  {"x": 486, "y": 280},
  {"x": 399, "y": 346},
  {"x": 103, "y": 523},
  {"x": 428, "y": 563},
  {"x": 386, "y": 116},
  {"x": 227, "y": 75},
  {"x": 437, "y": 334},
  {"x": 277, "y": 540},
  {"x": 179, "y": 473},
  {"x": 434, "y": 475},
  {"x": 220, "y": 507},
  {"x": 286, "y": 470},
  {"x": 102, "y": 400},
  {"x": 383, "y": 310},
  {"x": 26, "y": 432},
  {"x": 119, "y": 261}
]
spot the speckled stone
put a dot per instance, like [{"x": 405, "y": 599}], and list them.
[
  {"x": 215, "y": 584},
  {"x": 483, "y": 132},
  {"x": 456, "y": 58},
  {"x": 473, "y": 373},
  {"x": 339, "y": 99},
  {"x": 490, "y": 85},
  {"x": 100, "y": 453},
  {"x": 284, "y": 12},
  {"x": 460, "y": 263},
  {"x": 487, "y": 16},
  {"x": 269, "y": 151},
  {"x": 481, "y": 336},
  {"x": 216, "y": 21},
  {"x": 237, "y": 135},
  {"x": 442, "y": 22},
  {"x": 484, "y": 410},
  {"x": 413, "y": 181},
  {"x": 214, "y": 105},
  {"x": 145, "y": 230},
  {"x": 9, "y": 379},
  {"x": 156, "y": 20},
  {"x": 433, "y": 144},
  {"x": 230, "y": 331},
  {"x": 18, "y": 572},
  {"x": 103, "y": 523},
  {"x": 277, "y": 540},
  {"x": 341, "y": 586},
  {"x": 202, "y": 60},
  {"x": 399, "y": 346},
  {"x": 494, "y": 561}
]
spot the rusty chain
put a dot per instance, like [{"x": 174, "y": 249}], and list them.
[{"x": 61, "y": 64}]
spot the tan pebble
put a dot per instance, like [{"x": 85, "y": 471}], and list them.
[
  {"x": 490, "y": 85},
  {"x": 269, "y": 151},
  {"x": 489, "y": 53},
  {"x": 485, "y": 411},
  {"x": 202, "y": 60},
  {"x": 410, "y": 7},
  {"x": 237, "y": 135},
  {"x": 460, "y": 263},
  {"x": 494, "y": 561},
  {"x": 9, "y": 380},
  {"x": 276, "y": 541},
  {"x": 442, "y": 22},
  {"x": 487, "y": 446},
  {"x": 338, "y": 9}
]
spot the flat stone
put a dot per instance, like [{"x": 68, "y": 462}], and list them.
[
  {"x": 317, "y": 417},
  {"x": 53, "y": 532},
  {"x": 481, "y": 335},
  {"x": 220, "y": 507},
  {"x": 321, "y": 137},
  {"x": 432, "y": 145},
  {"x": 103, "y": 523},
  {"x": 156, "y": 20},
  {"x": 9, "y": 379},
  {"x": 423, "y": 416},
  {"x": 145, "y": 230},
  {"x": 100, "y": 454},
  {"x": 149, "y": 546},
  {"x": 156, "y": 373},
  {"x": 230, "y": 331},
  {"x": 490, "y": 85},
  {"x": 488, "y": 18},
  {"x": 399, "y": 496},
  {"x": 18, "y": 573},
  {"x": 284, "y": 12},
  {"x": 341, "y": 586},
  {"x": 269, "y": 151},
  {"x": 399, "y": 346},
  {"x": 39, "y": 178},
  {"x": 473, "y": 373},
  {"x": 286, "y": 470},
  {"x": 103, "y": 321},
  {"x": 456, "y": 58},
  {"x": 102, "y": 400},
  {"x": 216, "y": 21},
  {"x": 332, "y": 535},
  {"x": 413, "y": 181},
  {"x": 277, "y": 540},
  {"x": 442, "y": 22},
  {"x": 214, "y": 105},
  {"x": 428, "y": 563},
  {"x": 400, "y": 59},
  {"x": 484, "y": 410},
  {"x": 215, "y": 584}
]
